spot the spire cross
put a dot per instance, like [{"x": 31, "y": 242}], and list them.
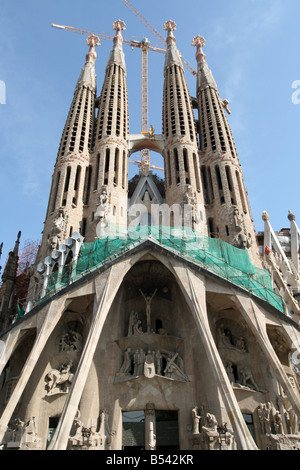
[{"x": 199, "y": 42}]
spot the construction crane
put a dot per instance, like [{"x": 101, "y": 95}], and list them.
[
  {"x": 155, "y": 32},
  {"x": 144, "y": 45}
]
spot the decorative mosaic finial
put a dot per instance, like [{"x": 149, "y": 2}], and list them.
[
  {"x": 199, "y": 42},
  {"x": 170, "y": 26},
  {"x": 119, "y": 25},
  {"x": 93, "y": 41}
]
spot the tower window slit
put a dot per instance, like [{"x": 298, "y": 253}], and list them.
[
  {"x": 107, "y": 158},
  {"x": 88, "y": 178},
  {"x": 83, "y": 227},
  {"x": 230, "y": 185},
  {"x": 176, "y": 160},
  {"x": 220, "y": 185},
  {"x": 97, "y": 172},
  {"x": 106, "y": 167},
  {"x": 55, "y": 192},
  {"x": 210, "y": 185},
  {"x": 211, "y": 228},
  {"x": 66, "y": 186},
  {"x": 168, "y": 169},
  {"x": 116, "y": 167},
  {"x": 186, "y": 166},
  {"x": 196, "y": 170},
  {"x": 242, "y": 196},
  {"x": 76, "y": 184},
  {"x": 124, "y": 170}
]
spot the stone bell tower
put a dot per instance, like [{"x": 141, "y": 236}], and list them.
[
  {"x": 227, "y": 208},
  {"x": 182, "y": 169},
  {"x": 108, "y": 170},
  {"x": 71, "y": 172}
]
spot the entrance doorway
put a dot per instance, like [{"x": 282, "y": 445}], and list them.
[
  {"x": 167, "y": 433},
  {"x": 135, "y": 432},
  {"x": 133, "y": 437}
]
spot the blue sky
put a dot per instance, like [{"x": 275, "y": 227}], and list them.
[{"x": 251, "y": 46}]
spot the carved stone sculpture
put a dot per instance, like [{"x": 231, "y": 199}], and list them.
[
  {"x": 102, "y": 210},
  {"x": 127, "y": 362},
  {"x": 227, "y": 341},
  {"x": 59, "y": 380},
  {"x": 293, "y": 421},
  {"x": 149, "y": 365},
  {"x": 148, "y": 299},
  {"x": 278, "y": 423},
  {"x": 229, "y": 371},
  {"x": 211, "y": 423},
  {"x": 196, "y": 420},
  {"x": 139, "y": 362},
  {"x": 70, "y": 341},
  {"x": 58, "y": 226},
  {"x": 247, "y": 378},
  {"x": 22, "y": 435},
  {"x": 86, "y": 437}
]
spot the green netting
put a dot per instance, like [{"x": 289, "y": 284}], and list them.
[{"x": 213, "y": 255}]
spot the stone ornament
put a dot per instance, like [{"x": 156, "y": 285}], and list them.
[
  {"x": 148, "y": 299},
  {"x": 227, "y": 341},
  {"x": 196, "y": 418},
  {"x": 22, "y": 435},
  {"x": 59, "y": 380},
  {"x": 57, "y": 229},
  {"x": 103, "y": 203},
  {"x": 147, "y": 363},
  {"x": 71, "y": 341},
  {"x": 208, "y": 434},
  {"x": 273, "y": 421},
  {"x": 83, "y": 437}
]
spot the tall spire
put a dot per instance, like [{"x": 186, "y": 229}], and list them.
[
  {"x": 172, "y": 54},
  {"x": 77, "y": 134},
  {"x": 87, "y": 77},
  {"x": 182, "y": 169},
  {"x": 117, "y": 54},
  {"x": 204, "y": 75},
  {"x": 227, "y": 208},
  {"x": 68, "y": 195},
  {"x": 110, "y": 154}
]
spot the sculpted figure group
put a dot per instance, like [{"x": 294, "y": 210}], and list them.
[
  {"x": 273, "y": 421},
  {"x": 139, "y": 362}
]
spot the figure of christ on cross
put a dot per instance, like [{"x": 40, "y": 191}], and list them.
[{"x": 148, "y": 300}]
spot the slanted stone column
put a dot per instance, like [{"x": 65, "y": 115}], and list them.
[
  {"x": 51, "y": 319},
  {"x": 106, "y": 288},
  {"x": 8, "y": 346},
  {"x": 193, "y": 288},
  {"x": 254, "y": 316}
]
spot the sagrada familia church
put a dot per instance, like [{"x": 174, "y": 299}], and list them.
[{"x": 155, "y": 316}]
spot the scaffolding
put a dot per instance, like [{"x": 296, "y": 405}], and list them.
[
  {"x": 212, "y": 255},
  {"x": 27, "y": 255}
]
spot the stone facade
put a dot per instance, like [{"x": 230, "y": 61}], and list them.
[{"x": 145, "y": 348}]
